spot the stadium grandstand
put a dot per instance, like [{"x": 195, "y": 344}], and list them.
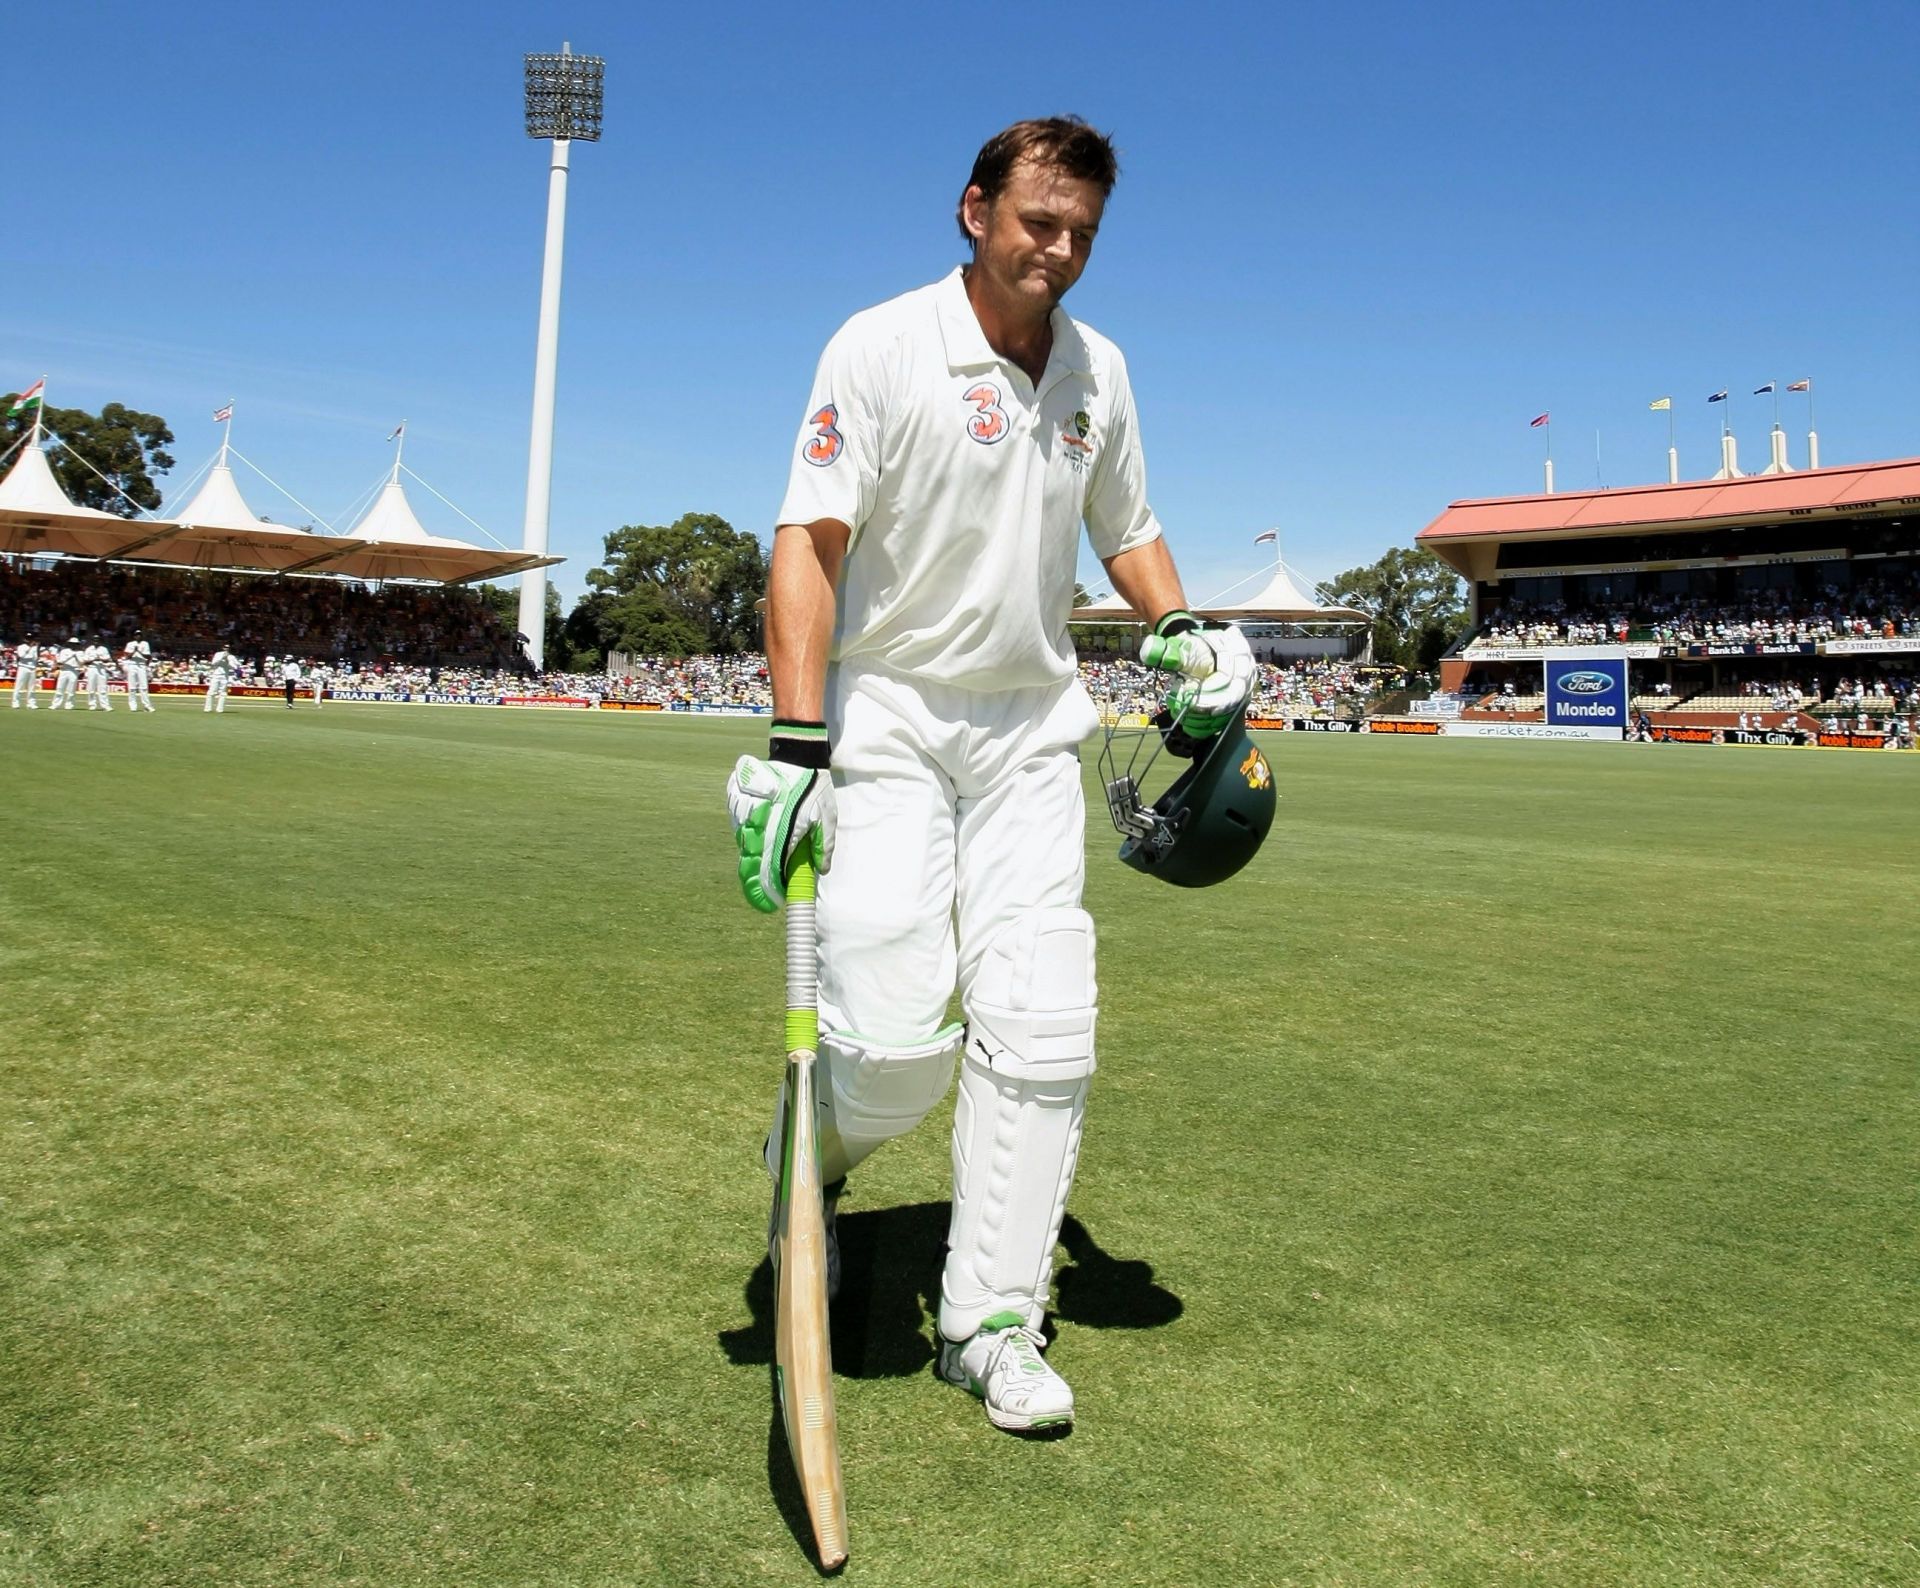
[{"x": 1790, "y": 599}]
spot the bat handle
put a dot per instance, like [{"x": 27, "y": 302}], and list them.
[{"x": 803, "y": 964}]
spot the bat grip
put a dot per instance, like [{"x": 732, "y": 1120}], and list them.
[{"x": 803, "y": 964}]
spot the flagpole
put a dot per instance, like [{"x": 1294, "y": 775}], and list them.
[
  {"x": 226, "y": 434},
  {"x": 400, "y": 436}
]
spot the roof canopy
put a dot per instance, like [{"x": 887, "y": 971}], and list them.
[
  {"x": 1280, "y": 600},
  {"x": 218, "y": 530}
]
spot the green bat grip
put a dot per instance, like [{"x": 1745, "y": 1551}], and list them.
[{"x": 803, "y": 991}]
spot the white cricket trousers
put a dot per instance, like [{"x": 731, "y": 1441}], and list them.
[
  {"x": 26, "y": 686},
  {"x": 216, "y": 693},
  {"x": 956, "y": 810},
  {"x": 64, "y": 683},
  {"x": 97, "y": 689},
  {"x": 137, "y": 696}
]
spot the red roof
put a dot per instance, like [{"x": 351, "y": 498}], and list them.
[{"x": 1848, "y": 488}]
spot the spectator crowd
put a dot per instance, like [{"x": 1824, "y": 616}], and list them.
[{"x": 1875, "y": 608}]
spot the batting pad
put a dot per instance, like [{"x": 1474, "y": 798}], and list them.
[
  {"x": 873, "y": 1092},
  {"x": 1016, "y": 1128}
]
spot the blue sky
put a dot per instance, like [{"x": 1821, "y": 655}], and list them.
[{"x": 1353, "y": 250}]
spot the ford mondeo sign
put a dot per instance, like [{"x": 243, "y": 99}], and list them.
[{"x": 1587, "y": 693}]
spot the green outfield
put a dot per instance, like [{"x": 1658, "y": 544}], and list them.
[{"x": 1509, "y": 1179}]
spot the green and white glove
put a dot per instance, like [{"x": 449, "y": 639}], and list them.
[
  {"x": 778, "y": 805},
  {"x": 1219, "y": 672}
]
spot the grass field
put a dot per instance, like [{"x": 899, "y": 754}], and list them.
[{"x": 1510, "y": 1179}]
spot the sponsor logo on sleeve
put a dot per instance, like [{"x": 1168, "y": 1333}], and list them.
[{"x": 826, "y": 443}]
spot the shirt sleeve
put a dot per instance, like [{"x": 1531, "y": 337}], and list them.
[
  {"x": 1118, "y": 517},
  {"x": 835, "y": 468}
]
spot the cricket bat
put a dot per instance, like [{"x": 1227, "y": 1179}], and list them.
[{"x": 802, "y": 1352}]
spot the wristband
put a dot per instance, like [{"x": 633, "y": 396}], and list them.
[
  {"x": 1175, "y": 622},
  {"x": 799, "y": 743}
]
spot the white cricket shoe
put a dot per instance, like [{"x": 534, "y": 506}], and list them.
[
  {"x": 830, "y": 1206},
  {"x": 1003, "y": 1366}
]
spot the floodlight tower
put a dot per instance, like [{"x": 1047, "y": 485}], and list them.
[{"x": 563, "y": 103}]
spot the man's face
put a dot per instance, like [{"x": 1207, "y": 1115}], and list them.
[{"x": 1033, "y": 239}]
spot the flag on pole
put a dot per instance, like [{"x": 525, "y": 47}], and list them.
[
  {"x": 1535, "y": 424},
  {"x": 1761, "y": 391},
  {"x": 1719, "y": 397},
  {"x": 1661, "y": 405},
  {"x": 398, "y": 428},
  {"x": 1267, "y": 539},
  {"x": 1801, "y": 385},
  {"x": 30, "y": 398},
  {"x": 222, "y": 415}
]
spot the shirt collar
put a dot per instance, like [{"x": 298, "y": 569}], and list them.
[{"x": 967, "y": 346}]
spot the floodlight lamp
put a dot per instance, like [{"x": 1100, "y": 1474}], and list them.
[{"x": 564, "y": 96}]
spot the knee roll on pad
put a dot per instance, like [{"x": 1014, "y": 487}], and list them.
[
  {"x": 1032, "y": 1001},
  {"x": 869, "y": 1093},
  {"x": 1016, "y": 1128}
]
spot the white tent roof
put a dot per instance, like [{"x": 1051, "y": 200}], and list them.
[
  {"x": 1108, "y": 609},
  {"x": 218, "y": 530},
  {"x": 1282, "y": 601},
  {"x": 218, "y": 504},
  {"x": 31, "y": 488},
  {"x": 394, "y": 544}
]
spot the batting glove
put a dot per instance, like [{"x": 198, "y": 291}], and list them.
[
  {"x": 1219, "y": 671},
  {"x": 781, "y": 808}
]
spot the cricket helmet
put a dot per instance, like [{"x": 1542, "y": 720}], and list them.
[{"x": 1212, "y": 818}]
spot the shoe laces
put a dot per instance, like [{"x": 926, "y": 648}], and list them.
[{"x": 1021, "y": 1346}]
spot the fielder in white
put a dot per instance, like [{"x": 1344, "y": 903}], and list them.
[
  {"x": 219, "y": 666},
  {"x": 955, "y": 441},
  {"x": 26, "y": 673},
  {"x": 98, "y": 658},
  {"x": 136, "y": 662},
  {"x": 66, "y": 674}
]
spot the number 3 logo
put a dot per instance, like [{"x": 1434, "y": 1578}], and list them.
[
  {"x": 989, "y": 421},
  {"x": 827, "y": 442}
]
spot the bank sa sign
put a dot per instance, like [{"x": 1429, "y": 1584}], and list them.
[{"x": 1587, "y": 694}]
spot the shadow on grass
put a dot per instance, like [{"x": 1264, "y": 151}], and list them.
[{"x": 881, "y": 1322}]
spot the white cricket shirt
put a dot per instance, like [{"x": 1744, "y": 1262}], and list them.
[{"x": 965, "y": 487}]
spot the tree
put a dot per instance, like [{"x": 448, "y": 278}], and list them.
[
  {"x": 684, "y": 589},
  {"x": 129, "y": 448},
  {"x": 1417, "y": 601}
]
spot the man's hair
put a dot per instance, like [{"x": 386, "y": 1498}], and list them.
[{"x": 1063, "y": 143}]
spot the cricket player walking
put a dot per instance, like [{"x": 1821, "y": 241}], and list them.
[
  {"x": 219, "y": 666},
  {"x": 927, "y": 719},
  {"x": 136, "y": 661},
  {"x": 26, "y": 673},
  {"x": 66, "y": 674},
  {"x": 290, "y": 678},
  {"x": 98, "y": 658}
]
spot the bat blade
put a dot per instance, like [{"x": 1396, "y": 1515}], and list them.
[{"x": 803, "y": 1353}]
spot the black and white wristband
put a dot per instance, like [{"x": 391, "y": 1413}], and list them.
[{"x": 799, "y": 743}]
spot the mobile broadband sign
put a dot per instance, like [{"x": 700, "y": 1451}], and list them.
[{"x": 1587, "y": 692}]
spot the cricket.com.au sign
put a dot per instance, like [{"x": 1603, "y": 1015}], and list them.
[{"x": 1589, "y": 693}]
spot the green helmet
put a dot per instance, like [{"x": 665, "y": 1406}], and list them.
[{"x": 1212, "y": 819}]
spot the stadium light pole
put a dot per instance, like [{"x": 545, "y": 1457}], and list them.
[{"x": 563, "y": 103}]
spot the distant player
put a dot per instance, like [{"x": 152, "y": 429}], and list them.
[
  {"x": 290, "y": 678},
  {"x": 136, "y": 660},
  {"x": 97, "y": 658},
  {"x": 319, "y": 680},
  {"x": 66, "y": 676},
  {"x": 219, "y": 666},
  {"x": 26, "y": 673}
]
